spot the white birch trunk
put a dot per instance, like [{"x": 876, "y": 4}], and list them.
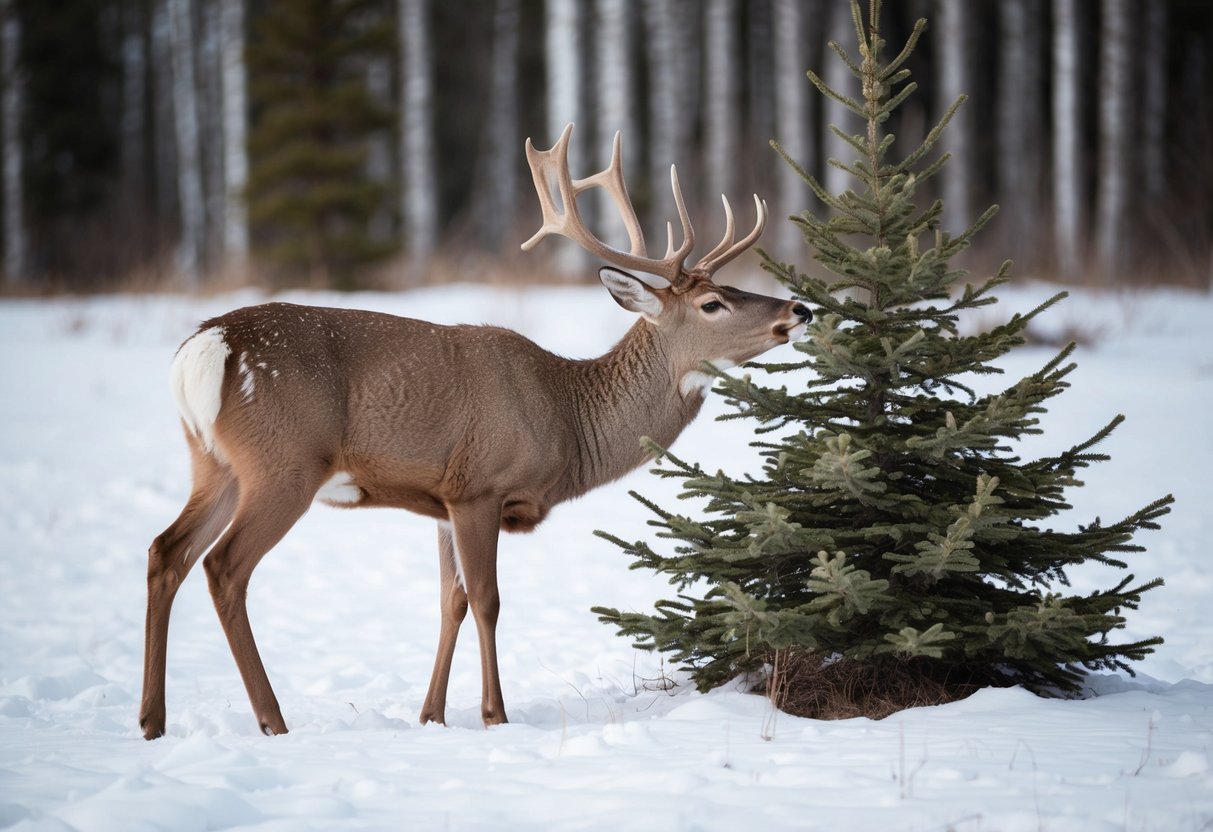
[
  {"x": 189, "y": 162},
  {"x": 1067, "y": 137},
  {"x": 954, "y": 68},
  {"x": 669, "y": 113},
  {"x": 614, "y": 106},
  {"x": 417, "y": 160},
  {"x": 235, "y": 131},
  {"x": 792, "y": 128},
  {"x": 562, "y": 47},
  {"x": 1018, "y": 126},
  {"x": 1114, "y": 137},
  {"x": 16, "y": 242},
  {"x": 838, "y": 77},
  {"x": 722, "y": 111},
  {"x": 499, "y": 160}
]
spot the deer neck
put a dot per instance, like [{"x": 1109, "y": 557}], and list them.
[{"x": 631, "y": 392}]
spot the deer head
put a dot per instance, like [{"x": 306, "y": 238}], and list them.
[{"x": 698, "y": 319}]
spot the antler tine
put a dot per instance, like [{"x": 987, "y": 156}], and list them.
[
  {"x": 539, "y": 162},
  {"x": 611, "y": 180},
  {"x": 566, "y": 219},
  {"x": 727, "y": 239},
  {"x": 726, "y": 249},
  {"x": 688, "y": 232}
]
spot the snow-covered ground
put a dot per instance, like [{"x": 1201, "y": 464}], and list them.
[{"x": 92, "y": 467}]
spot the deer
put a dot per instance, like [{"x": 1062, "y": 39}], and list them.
[{"x": 477, "y": 427}]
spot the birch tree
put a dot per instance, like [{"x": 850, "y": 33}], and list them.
[
  {"x": 614, "y": 103},
  {"x": 235, "y": 133},
  {"x": 792, "y": 127},
  {"x": 15, "y": 238},
  {"x": 1019, "y": 127},
  {"x": 666, "y": 48},
  {"x": 499, "y": 153},
  {"x": 955, "y": 76},
  {"x": 1114, "y": 137},
  {"x": 562, "y": 50},
  {"x": 562, "y": 55},
  {"x": 1067, "y": 137},
  {"x": 417, "y": 160},
  {"x": 722, "y": 106},
  {"x": 189, "y": 161}
]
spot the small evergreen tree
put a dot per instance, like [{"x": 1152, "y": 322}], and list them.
[
  {"x": 310, "y": 197},
  {"x": 894, "y": 538}
]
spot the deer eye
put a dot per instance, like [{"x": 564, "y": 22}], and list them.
[{"x": 712, "y": 306}]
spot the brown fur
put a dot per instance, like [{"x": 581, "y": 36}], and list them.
[{"x": 477, "y": 427}]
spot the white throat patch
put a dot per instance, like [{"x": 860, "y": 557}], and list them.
[{"x": 699, "y": 381}]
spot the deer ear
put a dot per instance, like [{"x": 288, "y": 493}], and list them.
[{"x": 631, "y": 292}]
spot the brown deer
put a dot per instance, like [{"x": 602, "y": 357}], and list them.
[{"x": 475, "y": 426}]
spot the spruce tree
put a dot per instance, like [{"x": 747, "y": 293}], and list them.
[
  {"x": 310, "y": 196},
  {"x": 894, "y": 546}
]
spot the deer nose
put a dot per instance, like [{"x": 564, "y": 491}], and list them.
[{"x": 801, "y": 311}]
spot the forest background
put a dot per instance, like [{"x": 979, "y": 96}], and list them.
[{"x": 379, "y": 143}]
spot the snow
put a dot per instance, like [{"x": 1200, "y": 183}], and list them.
[{"x": 93, "y": 465}]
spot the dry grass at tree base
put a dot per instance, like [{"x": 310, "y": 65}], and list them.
[{"x": 810, "y": 685}]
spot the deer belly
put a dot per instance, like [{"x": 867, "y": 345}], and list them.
[{"x": 342, "y": 490}]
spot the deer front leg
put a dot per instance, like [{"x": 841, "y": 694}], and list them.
[
  {"x": 476, "y": 526},
  {"x": 454, "y": 608}
]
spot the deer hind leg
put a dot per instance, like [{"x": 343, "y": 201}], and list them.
[
  {"x": 268, "y": 508},
  {"x": 169, "y": 559},
  {"x": 454, "y": 604},
  {"x": 476, "y": 526}
]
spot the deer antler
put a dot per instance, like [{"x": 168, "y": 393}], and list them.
[
  {"x": 551, "y": 167},
  {"x": 726, "y": 249}
]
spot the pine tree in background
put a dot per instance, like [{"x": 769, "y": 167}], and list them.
[
  {"x": 310, "y": 195},
  {"x": 891, "y": 553}
]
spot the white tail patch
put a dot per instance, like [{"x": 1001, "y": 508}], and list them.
[
  {"x": 339, "y": 490},
  {"x": 196, "y": 378}
]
